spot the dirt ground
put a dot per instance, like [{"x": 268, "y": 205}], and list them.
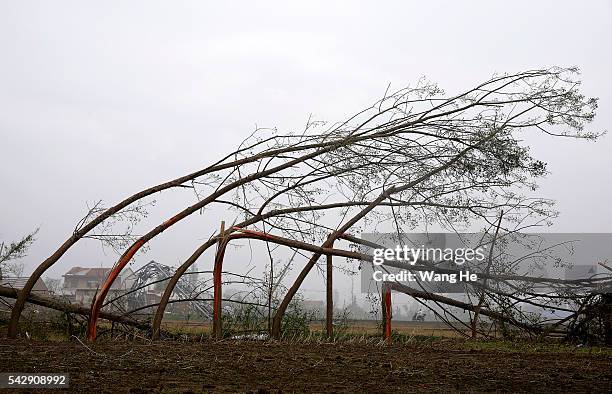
[
  {"x": 252, "y": 366},
  {"x": 354, "y": 327}
]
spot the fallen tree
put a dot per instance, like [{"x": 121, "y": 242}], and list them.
[
  {"x": 415, "y": 156},
  {"x": 61, "y": 306}
]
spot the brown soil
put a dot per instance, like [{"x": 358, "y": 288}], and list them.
[{"x": 242, "y": 366}]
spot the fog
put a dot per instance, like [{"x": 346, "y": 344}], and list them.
[{"x": 100, "y": 100}]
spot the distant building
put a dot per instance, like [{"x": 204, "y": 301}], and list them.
[
  {"x": 81, "y": 283},
  {"x": 314, "y": 306},
  {"x": 19, "y": 282}
]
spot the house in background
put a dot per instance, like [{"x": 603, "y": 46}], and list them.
[
  {"x": 317, "y": 307},
  {"x": 81, "y": 283},
  {"x": 17, "y": 283}
]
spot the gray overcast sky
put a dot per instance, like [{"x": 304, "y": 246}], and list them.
[{"x": 101, "y": 99}]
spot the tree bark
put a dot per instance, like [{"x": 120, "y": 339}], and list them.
[{"x": 70, "y": 308}]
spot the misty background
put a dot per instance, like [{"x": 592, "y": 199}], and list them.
[{"x": 101, "y": 100}]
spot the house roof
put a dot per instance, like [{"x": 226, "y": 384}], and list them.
[
  {"x": 90, "y": 272},
  {"x": 19, "y": 282},
  {"x": 95, "y": 273}
]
